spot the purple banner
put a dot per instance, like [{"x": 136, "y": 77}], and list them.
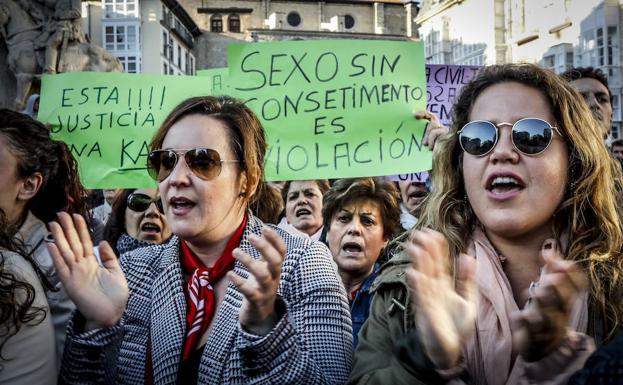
[{"x": 443, "y": 83}]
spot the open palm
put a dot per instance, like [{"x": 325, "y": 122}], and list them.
[
  {"x": 445, "y": 312},
  {"x": 99, "y": 292}
]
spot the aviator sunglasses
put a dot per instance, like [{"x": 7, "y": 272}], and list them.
[
  {"x": 140, "y": 202},
  {"x": 530, "y": 136},
  {"x": 203, "y": 162}
]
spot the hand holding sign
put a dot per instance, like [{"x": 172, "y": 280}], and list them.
[{"x": 434, "y": 128}]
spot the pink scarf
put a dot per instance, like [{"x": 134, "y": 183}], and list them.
[{"x": 488, "y": 354}]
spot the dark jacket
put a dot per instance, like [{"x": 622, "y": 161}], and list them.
[
  {"x": 360, "y": 305},
  {"x": 603, "y": 367}
]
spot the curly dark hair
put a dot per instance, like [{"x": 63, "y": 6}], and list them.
[
  {"x": 16, "y": 296},
  {"x": 29, "y": 141}
]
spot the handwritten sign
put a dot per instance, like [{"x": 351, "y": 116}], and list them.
[
  {"x": 443, "y": 83},
  {"x": 218, "y": 79},
  {"x": 108, "y": 119},
  {"x": 335, "y": 109}
]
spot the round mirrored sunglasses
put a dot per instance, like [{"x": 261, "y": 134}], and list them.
[{"x": 530, "y": 136}]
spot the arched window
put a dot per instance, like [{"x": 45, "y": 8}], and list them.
[
  {"x": 233, "y": 23},
  {"x": 216, "y": 23}
]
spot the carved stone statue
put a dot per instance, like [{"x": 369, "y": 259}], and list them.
[{"x": 47, "y": 36}]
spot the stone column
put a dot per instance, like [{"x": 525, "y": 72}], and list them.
[
  {"x": 409, "y": 19},
  {"x": 379, "y": 18}
]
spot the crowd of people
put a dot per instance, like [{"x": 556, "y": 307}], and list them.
[{"x": 504, "y": 266}]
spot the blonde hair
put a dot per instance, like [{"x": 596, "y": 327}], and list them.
[{"x": 588, "y": 211}]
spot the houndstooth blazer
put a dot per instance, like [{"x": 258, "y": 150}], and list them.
[{"x": 311, "y": 343}]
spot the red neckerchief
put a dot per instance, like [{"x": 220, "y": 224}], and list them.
[{"x": 200, "y": 299}]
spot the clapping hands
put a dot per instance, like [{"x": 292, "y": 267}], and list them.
[
  {"x": 445, "y": 313},
  {"x": 541, "y": 326},
  {"x": 258, "y": 314}
]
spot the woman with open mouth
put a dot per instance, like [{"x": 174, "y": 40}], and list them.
[
  {"x": 514, "y": 270},
  {"x": 228, "y": 300},
  {"x": 137, "y": 220},
  {"x": 361, "y": 216},
  {"x": 303, "y": 207}
]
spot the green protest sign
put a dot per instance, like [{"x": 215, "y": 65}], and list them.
[
  {"x": 218, "y": 79},
  {"x": 335, "y": 108},
  {"x": 108, "y": 119}
]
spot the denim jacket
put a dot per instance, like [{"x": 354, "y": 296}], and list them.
[{"x": 360, "y": 305}]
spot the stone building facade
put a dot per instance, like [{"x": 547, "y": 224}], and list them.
[{"x": 224, "y": 22}]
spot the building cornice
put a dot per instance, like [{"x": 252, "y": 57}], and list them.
[
  {"x": 328, "y": 34},
  {"x": 224, "y": 10},
  {"x": 429, "y": 13}
]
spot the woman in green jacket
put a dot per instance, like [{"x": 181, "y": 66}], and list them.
[{"x": 514, "y": 272}]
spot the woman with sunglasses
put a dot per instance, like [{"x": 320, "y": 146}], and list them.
[
  {"x": 514, "y": 272},
  {"x": 137, "y": 220},
  {"x": 228, "y": 300}
]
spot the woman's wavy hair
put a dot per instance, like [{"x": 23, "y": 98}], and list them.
[
  {"x": 246, "y": 134},
  {"x": 29, "y": 141},
  {"x": 16, "y": 296},
  {"x": 588, "y": 211}
]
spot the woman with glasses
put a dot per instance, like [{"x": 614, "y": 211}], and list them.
[
  {"x": 514, "y": 272},
  {"x": 228, "y": 300},
  {"x": 137, "y": 220}
]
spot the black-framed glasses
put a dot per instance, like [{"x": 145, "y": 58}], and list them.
[
  {"x": 206, "y": 163},
  {"x": 140, "y": 202},
  {"x": 531, "y": 136}
]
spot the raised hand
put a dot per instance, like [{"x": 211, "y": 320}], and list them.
[
  {"x": 99, "y": 292},
  {"x": 541, "y": 326},
  {"x": 434, "y": 128},
  {"x": 444, "y": 312},
  {"x": 258, "y": 314}
]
